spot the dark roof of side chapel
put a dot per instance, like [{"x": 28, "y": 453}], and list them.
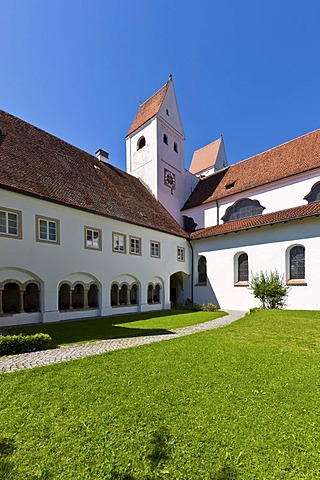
[
  {"x": 36, "y": 163},
  {"x": 291, "y": 158}
]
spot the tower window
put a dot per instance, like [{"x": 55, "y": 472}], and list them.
[
  {"x": 165, "y": 139},
  {"x": 175, "y": 147},
  {"x": 141, "y": 143},
  {"x": 167, "y": 112}
]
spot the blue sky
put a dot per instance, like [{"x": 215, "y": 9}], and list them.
[{"x": 245, "y": 68}]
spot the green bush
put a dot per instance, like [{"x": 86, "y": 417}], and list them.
[
  {"x": 270, "y": 289},
  {"x": 209, "y": 307},
  {"x": 13, "y": 344}
]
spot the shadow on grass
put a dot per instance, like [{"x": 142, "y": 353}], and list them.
[
  {"x": 7, "y": 448},
  {"x": 102, "y": 328}
]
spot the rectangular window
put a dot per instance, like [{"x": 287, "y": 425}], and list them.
[
  {"x": 154, "y": 249},
  {"x": 48, "y": 230},
  {"x": 135, "y": 246},
  {"x": 93, "y": 237},
  {"x": 118, "y": 242},
  {"x": 180, "y": 254},
  {"x": 10, "y": 223}
]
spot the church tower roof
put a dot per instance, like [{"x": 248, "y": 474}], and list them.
[
  {"x": 150, "y": 108},
  {"x": 205, "y": 157}
]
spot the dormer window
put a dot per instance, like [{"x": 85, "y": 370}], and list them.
[
  {"x": 141, "y": 143},
  {"x": 175, "y": 147},
  {"x": 230, "y": 185},
  {"x": 165, "y": 139}
]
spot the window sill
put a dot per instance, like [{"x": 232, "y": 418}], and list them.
[
  {"x": 299, "y": 282},
  {"x": 241, "y": 284},
  {"x": 201, "y": 284}
]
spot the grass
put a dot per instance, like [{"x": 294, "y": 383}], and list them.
[
  {"x": 79, "y": 331},
  {"x": 241, "y": 402}
]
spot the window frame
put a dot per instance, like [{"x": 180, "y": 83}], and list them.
[
  {"x": 18, "y": 214},
  {"x": 175, "y": 147},
  {"x": 92, "y": 229},
  {"x": 181, "y": 250},
  {"x": 165, "y": 139},
  {"x": 238, "y": 280},
  {"x": 40, "y": 218},
  {"x": 204, "y": 261},
  {"x": 297, "y": 280},
  {"x": 139, "y": 243},
  {"x": 155, "y": 242},
  {"x": 124, "y": 242}
]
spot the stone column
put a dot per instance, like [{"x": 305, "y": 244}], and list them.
[
  {"x": 22, "y": 290},
  {"x": 1, "y": 311},
  {"x": 71, "y": 292},
  {"x": 85, "y": 297},
  {"x": 118, "y": 296},
  {"x": 128, "y": 296}
]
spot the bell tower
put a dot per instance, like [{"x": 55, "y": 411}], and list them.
[{"x": 155, "y": 149}]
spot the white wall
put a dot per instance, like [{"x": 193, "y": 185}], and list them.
[
  {"x": 276, "y": 196},
  {"x": 266, "y": 249},
  {"x": 51, "y": 263}
]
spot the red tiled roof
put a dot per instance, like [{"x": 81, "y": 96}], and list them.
[
  {"x": 149, "y": 109},
  {"x": 36, "y": 163},
  {"x": 205, "y": 157},
  {"x": 296, "y": 156},
  {"x": 295, "y": 213}
]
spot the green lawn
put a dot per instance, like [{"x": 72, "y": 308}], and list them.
[
  {"x": 240, "y": 402},
  {"x": 80, "y": 331}
]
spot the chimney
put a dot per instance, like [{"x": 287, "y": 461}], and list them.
[{"x": 102, "y": 156}]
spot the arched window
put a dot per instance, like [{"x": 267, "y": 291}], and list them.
[
  {"x": 123, "y": 294},
  {"x": 150, "y": 293},
  {"x": 134, "y": 294},
  {"x": 141, "y": 143},
  {"x": 31, "y": 301},
  {"x": 114, "y": 294},
  {"x": 11, "y": 298},
  {"x": 314, "y": 194},
  {"x": 156, "y": 294},
  {"x": 243, "y": 209},
  {"x": 175, "y": 147},
  {"x": 243, "y": 268},
  {"x": 93, "y": 296},
  {"x": 64, "y": 296},
  {"x": 297, "y": 263},
  {"x": 165, "y": 138},
  {"x": 78, "y": 296},
  {"x": 202, "y": 270}
]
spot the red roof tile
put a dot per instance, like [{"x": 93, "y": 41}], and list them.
[
  {"x": 299, "y": 155},
  {"x": 205, "y": 157},
  {"x": 295, "y": 213},
  {"x": 148, "y": 109},
  {"x": 36, "y": 163}
]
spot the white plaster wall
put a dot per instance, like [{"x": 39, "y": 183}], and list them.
[
  {"x": 276, "y": 196},
  {"x": 266, "y": 248},
  {"x": 198, "y": 215},
  {"x": 51, "y": 263},
  {"x": 143, "y": 163}
]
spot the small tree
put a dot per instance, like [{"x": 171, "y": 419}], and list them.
[{"x": 270, "y": 289}]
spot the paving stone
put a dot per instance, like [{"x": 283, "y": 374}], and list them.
[{"x": 23, "y": 361}]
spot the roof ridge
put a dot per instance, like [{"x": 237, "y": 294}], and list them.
[
  {"x": 208, "y": 144},
  {"x": 48, "y": 133}
]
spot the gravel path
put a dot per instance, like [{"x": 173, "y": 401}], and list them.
[{"x": 22, "y": 361}]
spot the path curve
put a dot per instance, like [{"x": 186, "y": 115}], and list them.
[{"x": 23, "y": 361}]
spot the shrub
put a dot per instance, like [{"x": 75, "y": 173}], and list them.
[
  {"x": 13, "y": 344},
  {"x": 270, "y": 289},
  {"x": 209, "y": 307}
]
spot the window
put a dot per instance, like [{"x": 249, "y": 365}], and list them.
[
  {"x": 154, "y": 249},
  {"x": 243, "y": 209},
  {"x": 202, "y": 271},
  {"x": 243, "y": 268},
  {"x": 10, "y": 223},
  {"x": 180, "y": 254},
  {"x": 141, "y": 143},
  {"x": 118, "y": 242},
  {"x": 167, "y": 112},
  {"x": 47, "y": 230},
  {"x": 93, "y": 238},
  {"x": 297, "y": 263},
  {"x": 175, "y": 147},
  {"x": 135, "y": 246},
  {"x": 165, "y": 139},
  {"x": 314, "y": 194}
]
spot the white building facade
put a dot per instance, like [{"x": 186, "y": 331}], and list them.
[{"x": 81, "y": 239}]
